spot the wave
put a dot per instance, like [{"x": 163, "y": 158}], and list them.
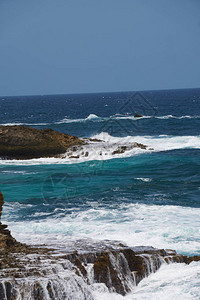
[
  {"x": 132, "y": 224},
  {"x": 173, "y": 281},
  {"x": 107, "y": 145},
  {"x": 28, "y": 124},
  {"x": 95, "y": 118},
  {"x": 90, "y": 117},
  {"x": 175, "y": 117},
  {"x": 158, "y": 143}
]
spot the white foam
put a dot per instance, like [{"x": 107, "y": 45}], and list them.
[
  {"x": 175, "y": 117},
  {"x": 104, "y": 150},
  {"x": 170, "y": 227},
  {"x": 18, "y": 172},
  {"x": 144, "y": 179},
  {"x": 174, "y": 281},
  {"x": 91, "y": 117},
  {"x": 27, "y": 124},
  {"x": 158, "y": 143},
  {"x": 94, "y": 117}
]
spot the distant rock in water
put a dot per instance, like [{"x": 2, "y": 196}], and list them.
[
  {"x": 137, "y": 115},
  {"x": 24, "y": 142},
  {"x": 123, "y": 149}
]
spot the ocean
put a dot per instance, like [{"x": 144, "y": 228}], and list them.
[{"x": 141, "y": 197}]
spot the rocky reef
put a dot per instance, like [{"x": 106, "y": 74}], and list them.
[
  {"x": 41, "y": 273},
  {"x": 24, "y": 142}
]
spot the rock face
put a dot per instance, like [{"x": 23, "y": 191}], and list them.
[
  {"x": 7, "y": 242},
  {"x": 23, "y": 142}
]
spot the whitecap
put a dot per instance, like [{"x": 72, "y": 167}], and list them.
[
  {"x": 160, "y": 226},
  {"x": 107, "y": 144}
]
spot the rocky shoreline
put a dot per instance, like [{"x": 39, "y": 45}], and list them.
[
  {"x": 42, "y": 273},
  {"x": 24, "y": 142}
]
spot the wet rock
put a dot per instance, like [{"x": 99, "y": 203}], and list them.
[
  {"x": 95, "y": 140},
  {"x": 120, "y": 150},
  {"x": 74, "y": 156},
  {"x": 123, "y": 149},
  {"x": 104, "y": 272},
  {"x": 34, "y": 273},
  {"x": 38, "y": 293},
  {"x": 190, "y": 259},
  {"x": 137, "y": 115}
]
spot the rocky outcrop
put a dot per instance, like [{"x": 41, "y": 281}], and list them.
[
  {"x": 24, "y": 142},
  {"x": 8, "y": 244},
  {"x": 54, "y": 275},
  {"x": 43, "y": 273},
  {"x": 123, "y": 149}
]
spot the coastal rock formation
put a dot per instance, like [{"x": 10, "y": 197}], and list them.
[
  {"x": 123, "y": 149},
  {"x": 24, "y": 142},
  {"x": 48, "y": 274},
  {"x": 7, "y": 243}
]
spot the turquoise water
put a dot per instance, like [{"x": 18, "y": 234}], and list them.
[{"x": 149, "y": 197}]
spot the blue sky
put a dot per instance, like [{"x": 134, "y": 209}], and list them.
[{"x": 80, "y": 46}]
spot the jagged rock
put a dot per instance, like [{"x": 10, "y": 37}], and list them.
[
  {"x": 122, "y": 149},
  {"x": 189, "y": 259},
  {"x": 24, "y": 142},
  {"x": 64, "y": 276}
]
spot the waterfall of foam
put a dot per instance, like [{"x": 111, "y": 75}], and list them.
[{"x": 77, "y": 275}]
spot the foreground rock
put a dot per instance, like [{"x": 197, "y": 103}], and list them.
[
  {"x": 42, "y": 273},
  {"x": 23, "y": 142}
]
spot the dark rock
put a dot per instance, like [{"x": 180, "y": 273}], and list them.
[
  {"x": 137, "y": 115},
  {"x": 190, "y": 259},
  {"x": 38, "y": 293},
  {"x": 120, "y": 150},
  {"x": 24, "y": 142},
  {"x": 9, "y": 292},
  {"x": 95, "y": 140},
  {"x": 141, "y": 146},
  {"x": 74, "y": 156},
  {"x": 123, "y": 149},
  {"x": 104, "y": 272},
  {"x": 2, "y": 293}
]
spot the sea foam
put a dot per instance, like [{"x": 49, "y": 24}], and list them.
[
  {"x": 103, "y": 150},
  {"x": 161, "y": 226}
]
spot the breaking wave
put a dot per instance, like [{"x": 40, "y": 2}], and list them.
[{"x": 106, "y": 146}]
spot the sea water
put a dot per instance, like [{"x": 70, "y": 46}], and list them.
[{"x": 147, "y": 197}]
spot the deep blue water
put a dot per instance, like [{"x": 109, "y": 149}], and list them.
[{"x": 166, "y": 177}]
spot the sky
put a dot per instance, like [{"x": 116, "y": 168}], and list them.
[{"x": 86, "y": 46}]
